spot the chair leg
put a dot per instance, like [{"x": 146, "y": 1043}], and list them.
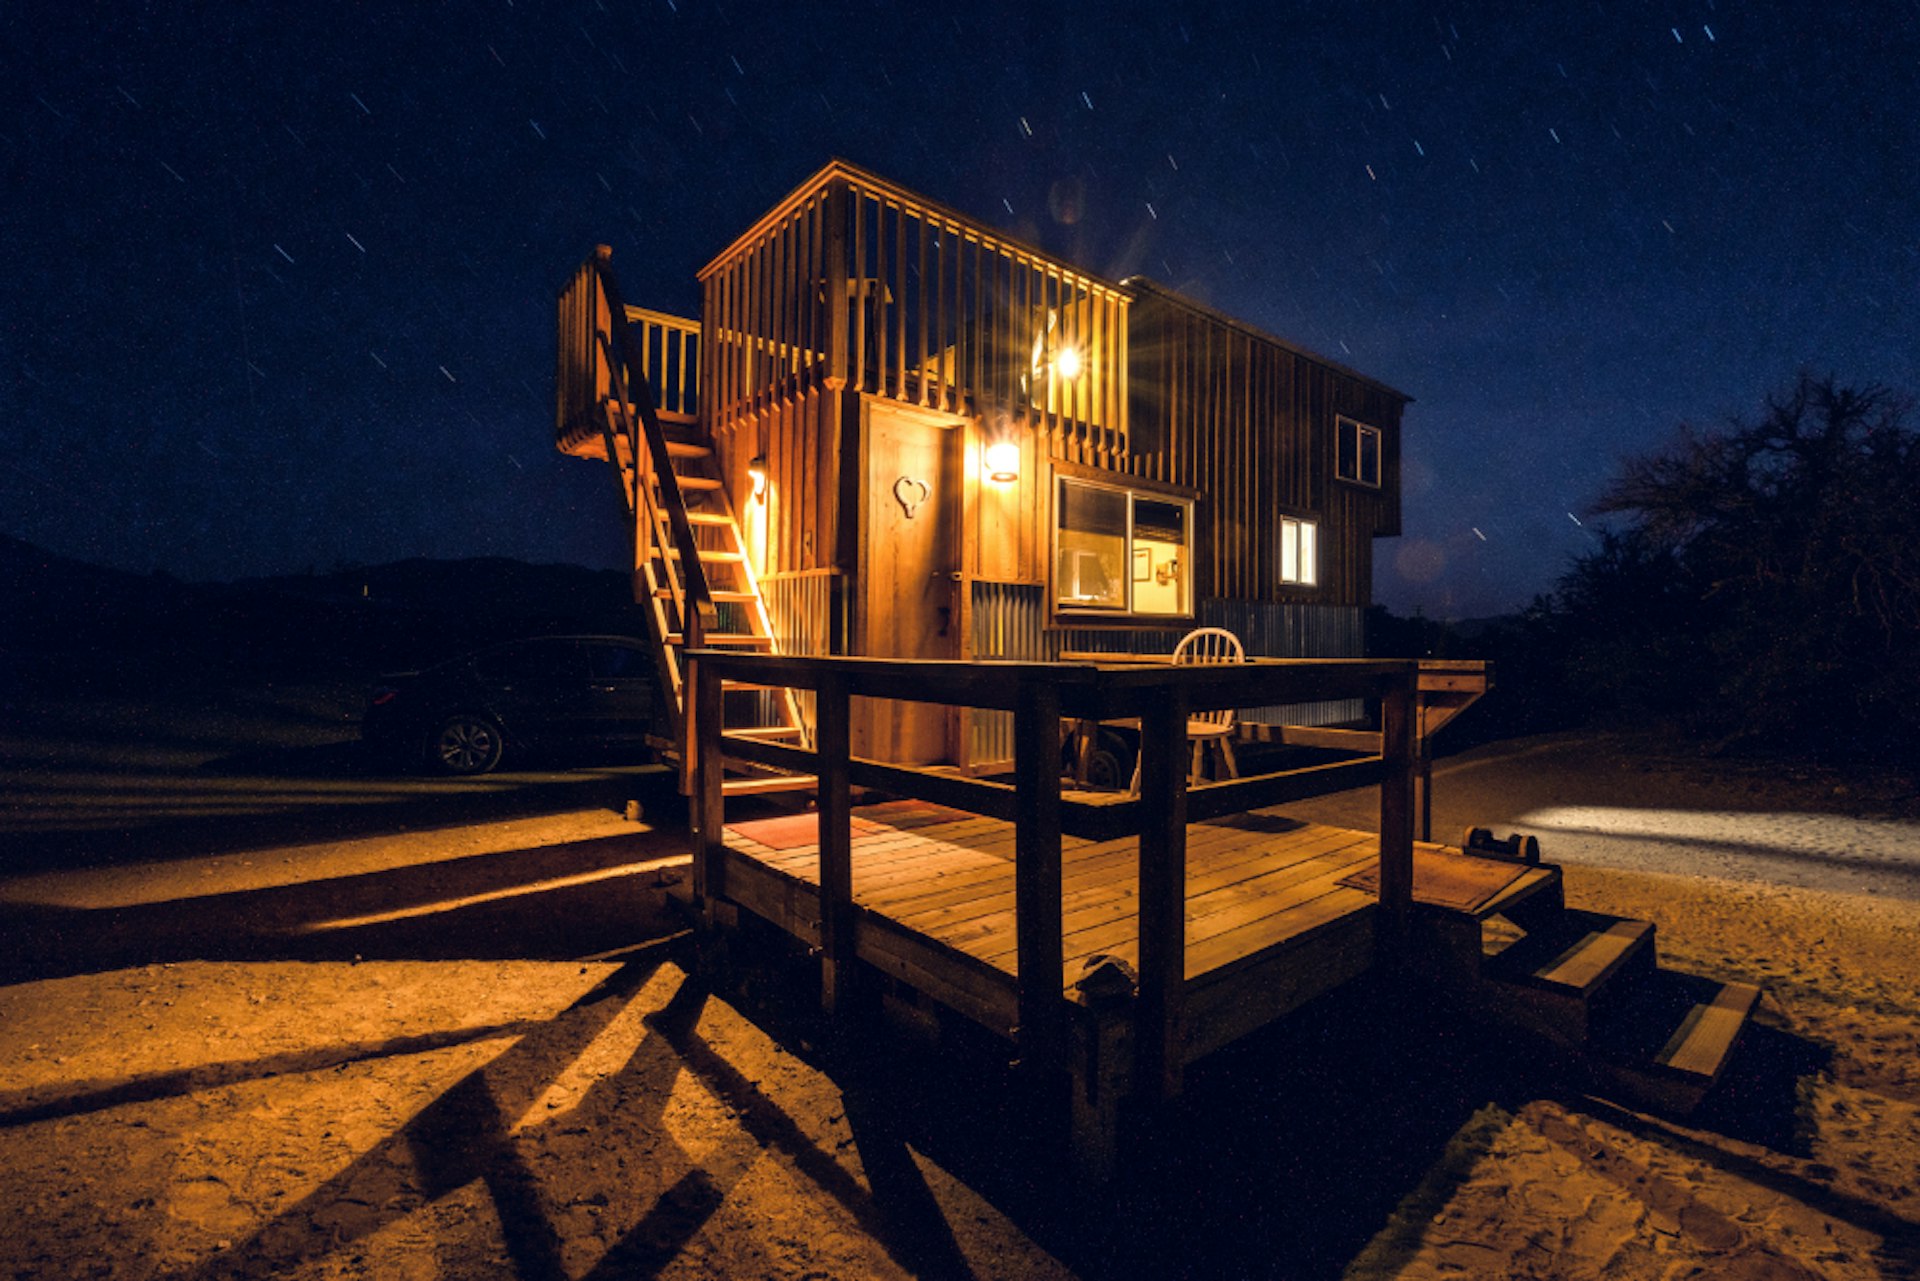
[
  {"x": 1195, "y": 760},
  {"x": 1226, "y": 752}
]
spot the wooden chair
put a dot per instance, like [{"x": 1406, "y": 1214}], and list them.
[{"x": 1213, "y": 729}]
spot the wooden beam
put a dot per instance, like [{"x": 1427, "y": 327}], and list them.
[
  {"x": 1345, "y": 740},
  {"x": 1036, "y": 878},
  {"x": 1235, "y": 796},
  {"x": 1398, "y": 753},
  {"x": 709, "y": 802},
  {"x": 1163, "y": 895},
  {"x": 832, "y": 733}
]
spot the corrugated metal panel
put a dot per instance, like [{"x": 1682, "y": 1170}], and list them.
[{"x": 1009, "y": 621}]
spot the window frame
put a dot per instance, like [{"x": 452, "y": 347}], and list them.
[
  {"x": 1362, "y": 432},
  {"x": 1080, "y": 615},
  {"x": 1298, "y": 520}
]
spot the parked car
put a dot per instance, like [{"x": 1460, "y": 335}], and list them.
[{"x": 538, "y": 694}]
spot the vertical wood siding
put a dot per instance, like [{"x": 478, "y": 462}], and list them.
[{"x": 1248, "y": 421}]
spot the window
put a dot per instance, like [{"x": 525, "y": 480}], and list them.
[
  {"x": 1356, "y": 452},
  {"x": 1299, "y": 551},
  {"x": 1121, "y": 551}
]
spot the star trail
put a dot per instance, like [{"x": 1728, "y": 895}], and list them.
[{"x": 280, "y": 278}]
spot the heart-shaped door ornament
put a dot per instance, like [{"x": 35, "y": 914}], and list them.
[{"x": 910, "y": 493}]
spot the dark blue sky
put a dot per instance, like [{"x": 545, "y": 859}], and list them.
[{"x": 278, "y": 287}]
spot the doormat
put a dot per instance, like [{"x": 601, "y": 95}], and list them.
[
  {"x": 912, "y": 813},
  {"x": 1445, "y": 880},
  {"x": 790, "y": 831}
]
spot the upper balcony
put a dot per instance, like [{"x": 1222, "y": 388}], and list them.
[{"x": 852, "y": 282}]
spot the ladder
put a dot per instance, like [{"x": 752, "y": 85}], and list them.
[{"x": 691, "y": 568}]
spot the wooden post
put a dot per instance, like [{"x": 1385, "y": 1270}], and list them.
[
  {"x": 832, "y": 743},
  {"x": 1163, "y": 893},
  {"x": 1036, "y": 878},
  {"x": 709, "y": 802},
  {"x": 1397, "y": 748}
]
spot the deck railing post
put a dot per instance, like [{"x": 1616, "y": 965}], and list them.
[
  {"x": 1036, "y": 877},
  {"x": 833, "y": 744},
  {"x": 1163, "y": 893},
  {"x": 709, "y": 803},
  {"x": 1399, "y": 752}
]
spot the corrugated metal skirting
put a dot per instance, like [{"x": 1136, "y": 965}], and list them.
[{"x": 1009, "y": 621}]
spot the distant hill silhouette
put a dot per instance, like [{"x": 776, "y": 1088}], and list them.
[{"x": 57, "y": 612}]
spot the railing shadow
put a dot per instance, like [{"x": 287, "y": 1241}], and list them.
[{"x": 554, "y": 901}]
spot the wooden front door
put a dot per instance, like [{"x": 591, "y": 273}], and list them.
[{"x": 909, "y": 586}]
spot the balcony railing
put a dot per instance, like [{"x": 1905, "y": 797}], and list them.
[{"x": 854, "y": 282}]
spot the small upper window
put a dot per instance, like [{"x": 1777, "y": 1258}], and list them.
[
  {"x": 1299, "y": 551},
  {"x": 1356, "y": 452}
]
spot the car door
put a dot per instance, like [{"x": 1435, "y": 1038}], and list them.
[
  {"x": 539, "y": 689},
  {"x": 620, "y": 678}
]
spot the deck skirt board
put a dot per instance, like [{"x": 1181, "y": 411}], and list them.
[{"x": 1268, "y": 924}]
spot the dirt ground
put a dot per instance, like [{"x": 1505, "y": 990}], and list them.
[{"x": 476, "y": 1050}]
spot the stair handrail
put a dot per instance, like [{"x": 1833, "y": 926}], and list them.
[{"x": 623, "y": 356}]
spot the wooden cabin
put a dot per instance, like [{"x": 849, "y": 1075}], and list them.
[
  {"x": 912, "y": 505},
  {"x": 937, "y": 442}
]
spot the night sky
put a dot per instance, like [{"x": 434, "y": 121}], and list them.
[{"x": 278, "y": 280}]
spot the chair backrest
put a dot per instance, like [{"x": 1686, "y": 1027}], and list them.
[{"x": 1205, "y": 645}]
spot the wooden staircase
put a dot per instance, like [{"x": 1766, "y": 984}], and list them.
[
  {"x": 1591, "y": 986},
  {"x": 691, "y": 567}
]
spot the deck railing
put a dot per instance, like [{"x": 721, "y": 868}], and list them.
[
  {"x": 854, "y": 282},
  {"x": 1040, "y": 695}
]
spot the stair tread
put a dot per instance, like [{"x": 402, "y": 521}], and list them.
[
  {"x": 1575, "y": 958},
  {"x": 768, "y": 783},
  {"x": 665, "y": 593},
  {"x": 687, "y": 449},
  {"x": 695, "y": 482},
  {"x": 708, "y": 518},
  {"x": 765, "y": 731},
  {"x": 1680, "y": 1028},
  {"x": 1705, "y": 1037},
  {"x": 725, "y": 638}
]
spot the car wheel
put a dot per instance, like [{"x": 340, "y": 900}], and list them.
[{"x": 465, "y": 744}]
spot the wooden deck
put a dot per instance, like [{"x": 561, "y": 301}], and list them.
[{"x": 1268, "y": 924}]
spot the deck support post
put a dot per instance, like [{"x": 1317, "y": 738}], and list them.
[
  {"x": 1158, "y": 1055},
  {"x": 703, "y": 715},
  {"x": 833, "y": 743},
  {"x": 1039, "y": 965},
  {"x": 1399, "y": 752}
]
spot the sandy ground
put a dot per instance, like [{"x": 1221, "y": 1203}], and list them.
[{"x": 453, "y": 1052}]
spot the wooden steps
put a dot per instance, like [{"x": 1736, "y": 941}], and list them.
[
  {"x": 1669, "y": 1047},
  {"x": 1552, "y": 979},
  {"x": 1590, "y": 985}
]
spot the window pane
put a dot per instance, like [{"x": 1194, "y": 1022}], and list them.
[
  {"x": 1349, "y": 445},
  {"x": 1370, "y": 456},
  {"x": 1159, "y": 557},
  {"x": 1092, "y": 567},
  {"x": 1309, "y": 553},
  {"x": 1289, "y": 551}
]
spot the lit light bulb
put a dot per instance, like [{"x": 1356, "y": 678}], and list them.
[
  {"x": 1067, "y": 363},
  {"x": 1003, "y": 461}
]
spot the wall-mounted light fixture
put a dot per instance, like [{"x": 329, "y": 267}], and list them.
[
  {"x": 1003, "y": 461},
  {"x": 1066, "y": 363},
  {"x": 757, "y": 472}
]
